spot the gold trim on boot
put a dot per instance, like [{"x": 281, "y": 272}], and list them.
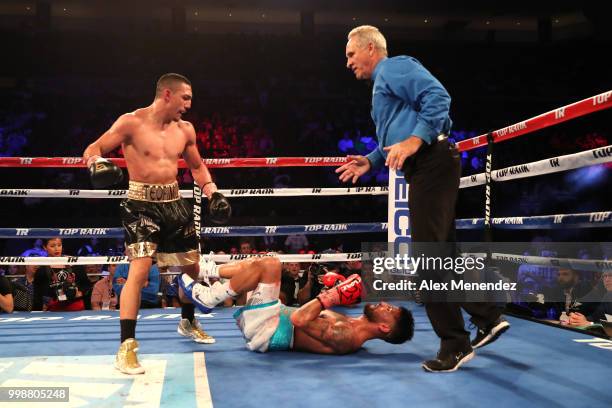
[{"x": 127, "y": 359}]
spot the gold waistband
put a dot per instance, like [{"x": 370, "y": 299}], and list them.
[{"x": 158, "y": 193}]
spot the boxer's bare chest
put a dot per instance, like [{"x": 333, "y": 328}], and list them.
[{"x": 150, "y": 142}]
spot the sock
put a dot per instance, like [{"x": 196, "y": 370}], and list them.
[
  {"x": 229, "y": 290},
  {"x": 187, "y": 311},
  {"x": 128, "y": 329}
]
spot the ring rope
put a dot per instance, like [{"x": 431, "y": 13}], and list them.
[
  {"x": 206, "y": 231},
  {"x": 580, "y": 220},
  {"x": 236, "y": 193},
  {"x": 104, "y": 260},
  {"x": 595, "y": 265},
  {"x": 551, "y": 165},
  {"x": 581, "y": 108},
  {"x": 77, "y": 162},
  {"x": 548, "y": 119}
]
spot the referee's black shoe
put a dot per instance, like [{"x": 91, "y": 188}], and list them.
[
  {"x": 449, "y": 362},
  {"x": 490, "y": 333}
]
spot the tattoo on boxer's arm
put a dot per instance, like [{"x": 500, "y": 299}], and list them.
[{"x": 336, "y": 335}]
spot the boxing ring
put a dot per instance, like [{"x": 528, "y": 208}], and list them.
[{"x": 531, "y": 365}]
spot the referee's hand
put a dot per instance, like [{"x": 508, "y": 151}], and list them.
[
  {"x": 398, "y": 152},
  {"x": 355, "y": 168}
]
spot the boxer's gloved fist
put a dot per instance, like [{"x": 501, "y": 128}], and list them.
[
  {"x": 346, "y": 293},
  {"x": 331, "y": 279},
  {"x": 103, "y": 173},
  {"x": 219, "y": 209}
]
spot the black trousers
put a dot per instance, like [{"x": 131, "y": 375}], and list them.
[{"x": 433, "y": 174}]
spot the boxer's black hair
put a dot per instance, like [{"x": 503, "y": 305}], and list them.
[
  {"x": 170, "y": 80},
  {"x": 403, "y": 329}
]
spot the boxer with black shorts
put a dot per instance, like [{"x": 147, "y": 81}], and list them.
[{"x": 158, "y": 223}]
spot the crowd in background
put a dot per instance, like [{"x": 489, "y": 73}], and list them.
[{"x": 548, "y": 292}]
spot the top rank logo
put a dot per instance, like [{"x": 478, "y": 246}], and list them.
[
  {"x": 83, "y": 231},
  {"x": 252, "y": 191},
  {"x": 314, "y": 160},
  {"x": 512, "y": 129},
  {"x": 217, "y": 161},
  {"x": 325, "y": 227}
]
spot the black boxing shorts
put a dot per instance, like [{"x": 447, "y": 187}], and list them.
[{"x": 158, "y": 223}]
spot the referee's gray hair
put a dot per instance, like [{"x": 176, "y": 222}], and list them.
[{"x": 366, "y": 34}]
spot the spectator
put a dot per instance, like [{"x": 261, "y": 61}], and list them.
[
  {"x": 58, "y": 287},
  {"x": 36, "y": 250},
  {"x": 246, "y": 247},
  {"x": 365, "y": 144},
  {"x": 27, "y": 280},
  {"x": 296, "y": 243},
  {"x": 346, "y": 145},
  {"x": 117, "y": 248},
  {"x": 103, "y": 296},
  {"x": 269, "y": 243},
  {"x": 149, "y": 297},
  {"x": 293, "y": 285},
  {"x": 93, "y": 272},
  {"x": 566, "y": 292},
  {"x": 90, "y": 249},
  {"x": 6, "y": 295},
  {"x": 601, "y": 310},
  {"x": 23, "y": 288}
]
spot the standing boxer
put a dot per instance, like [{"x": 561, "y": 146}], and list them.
[{"x": 158, "y": 223}]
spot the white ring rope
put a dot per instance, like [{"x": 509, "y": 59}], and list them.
[
  {"x": 577, "y": 264},
  {"x": 558, "y": 164}
]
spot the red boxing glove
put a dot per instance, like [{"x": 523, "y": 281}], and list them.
[
  {"x": 331, "y": 279},
  {"x": 346, "y": 293}
]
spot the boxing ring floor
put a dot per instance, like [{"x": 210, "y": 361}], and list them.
[{"x": 531, "y": 365}]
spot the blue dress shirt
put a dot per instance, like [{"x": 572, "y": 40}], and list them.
[{"x": 407, "y": 100}]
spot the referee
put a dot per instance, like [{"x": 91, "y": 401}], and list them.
[{"x": 410, "y": 109}]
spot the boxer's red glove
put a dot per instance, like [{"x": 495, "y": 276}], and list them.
[
  {"x": 103, "y": 173},
  {"x": 331, "y": 279},
  {"x": 346, "y": 293}
]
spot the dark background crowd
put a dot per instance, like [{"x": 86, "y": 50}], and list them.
[{"x": 264, "y": 91}]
